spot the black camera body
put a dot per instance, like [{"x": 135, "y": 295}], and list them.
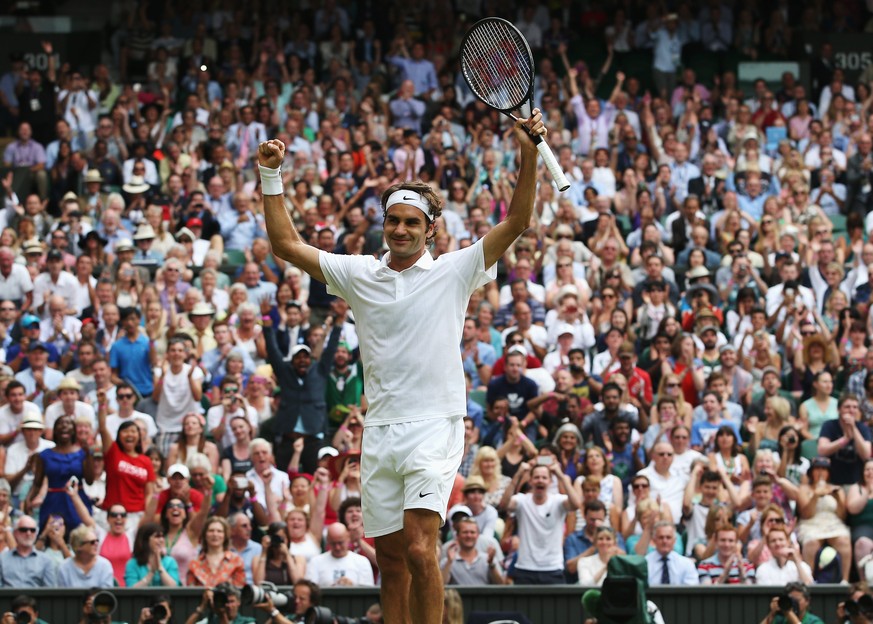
[
  {"x": 159, "y": 612},
  {"x": 323, "y": 615},
  {"x": 219, "y": 599},
  {"x": 787, "y": 603}
]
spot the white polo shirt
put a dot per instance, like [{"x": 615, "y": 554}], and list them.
[
  {"x": 409, "y": 325},
  {"x": 17, "y": 285}
]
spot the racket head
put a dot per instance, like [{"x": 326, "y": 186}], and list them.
[{"x": 497, "y": 64}]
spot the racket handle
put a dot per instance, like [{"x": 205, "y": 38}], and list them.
[{"x": 552, "y": 165}]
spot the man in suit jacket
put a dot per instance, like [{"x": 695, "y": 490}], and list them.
[
  {"x": 858, "y": 178},
  {"x": 303, "y": 406},
  {"x": 666, "y": 566},
  {"x": 243, "y": 138},
  {"x": 707, "y": 187}
]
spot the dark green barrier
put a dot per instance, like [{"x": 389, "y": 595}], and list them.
[{"x": 542, "y": 605}]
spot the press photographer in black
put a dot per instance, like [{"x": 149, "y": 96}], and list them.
[
  {"x": 23, "y": 610},
  {"x": 791, "y": 607},
  {"x": 220, "y": 605}
]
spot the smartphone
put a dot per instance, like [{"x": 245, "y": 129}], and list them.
[
  {"x": 74, "y": 481},
  {"x": 240, "y": 483},
  {"x": 545, "y": 460}
]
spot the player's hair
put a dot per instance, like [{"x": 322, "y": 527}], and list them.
[{"x": 426, "y": 191}]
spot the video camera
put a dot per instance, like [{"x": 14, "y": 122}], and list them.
[
  {"x": 255, "y": 594},
  {"x": 323, "y": 615}
]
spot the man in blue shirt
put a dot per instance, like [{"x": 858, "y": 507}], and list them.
[
  {"x": 416, "y": 68},
  {"x": 131, "y": 355},
  {"x": 24, "y": 566}
]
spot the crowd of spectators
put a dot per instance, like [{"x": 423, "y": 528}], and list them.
[{"x": 674, "y": 362}]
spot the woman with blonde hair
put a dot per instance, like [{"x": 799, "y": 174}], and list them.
[
  {"x": 487, "y": 465},
  {"x": 453, "y": 613},
  {"x": 671, "y": 386},
  {"x": 765, "y": 435}
]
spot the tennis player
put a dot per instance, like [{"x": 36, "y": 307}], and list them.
[{"x": 409, "y": 313}]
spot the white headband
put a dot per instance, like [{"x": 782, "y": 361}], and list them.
[{"x": 410, "y": 198}]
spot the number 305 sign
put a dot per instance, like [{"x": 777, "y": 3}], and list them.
[{"x": 853, "y": 61}]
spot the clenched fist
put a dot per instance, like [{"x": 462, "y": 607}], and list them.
[{"x": 271, "y": 153}]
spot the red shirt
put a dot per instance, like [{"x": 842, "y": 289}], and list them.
[
  {"x": 639, "y": 384},
  {"x": 126, "y": 478}
]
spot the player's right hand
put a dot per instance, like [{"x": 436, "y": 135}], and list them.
[{"x": 271, "y": 153}]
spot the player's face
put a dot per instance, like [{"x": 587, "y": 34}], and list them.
[{"x": 406, "y": 230}]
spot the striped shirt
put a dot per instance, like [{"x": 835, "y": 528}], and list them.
[{"x": 712, "y": 569}]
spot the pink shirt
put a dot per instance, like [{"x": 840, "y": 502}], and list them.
[{"x": 116, "y": 548}]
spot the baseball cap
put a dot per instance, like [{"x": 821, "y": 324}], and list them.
[
  {"x": 38, "y": 345},
  {"x": 298, "y": 348},
  {"x": 180, "y": 469},
  {"x": 565, "y": 328},
  {"x": 327, "y": 451},
  {"x": 29, "y": 320},
  {"x": 54, "y": 254},
  {"x": 194, "y": 222},
  {"x": 728, "y": 347},
  {"x": 460, "y": 509}
]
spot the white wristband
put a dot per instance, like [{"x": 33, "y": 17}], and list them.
[{"x": 271, "y": 181}]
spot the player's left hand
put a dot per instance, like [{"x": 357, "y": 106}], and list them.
[{"x": 532, "y": 126}]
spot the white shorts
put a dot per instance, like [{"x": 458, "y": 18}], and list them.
[{"x": 408, "y": 466}]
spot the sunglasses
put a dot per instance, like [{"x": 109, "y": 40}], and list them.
[
  {"x": 231, "y": 389},
  {"x": 175, "y": 506},
  {"x": 92, "y": 542},
  {"x": 124, "y": 395},
  {"x": 117, "y": 514},
  {"x": 26, "y": 529},
  {"x": 158, "y": 534},
  {"x": 639, "y": 486}
]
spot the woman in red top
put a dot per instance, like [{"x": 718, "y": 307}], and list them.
[{"x": 130, "y": 475}]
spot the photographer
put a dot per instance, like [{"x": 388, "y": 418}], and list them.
[
  {"x": 159, "y": 612},
  {"x": 219, "y": 606},
  {"x": 102, "y": 611},
  {"x": 791, "y": 607},
  {"x": 20, "y": 606}
]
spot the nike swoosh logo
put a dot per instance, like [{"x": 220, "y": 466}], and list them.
[
  {"x": 420, "y": 495},
  {"x": 405, "y": 198}
]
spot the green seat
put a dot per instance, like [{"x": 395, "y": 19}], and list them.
[
  {"x": 839, "y": 223},
  {"x": 478, "y": 397},
  {"x": 809, "y": 449},
  {"x": 231, "y": 261},
  {"x": 234, "y": 256}
]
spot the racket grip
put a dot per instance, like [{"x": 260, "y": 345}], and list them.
[{"x": 553, "y": 166}]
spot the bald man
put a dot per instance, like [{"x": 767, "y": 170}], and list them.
[{"x": 338, "y": 566}]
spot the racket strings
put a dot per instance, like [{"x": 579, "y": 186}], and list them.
[{"x": 498, "y": 67}]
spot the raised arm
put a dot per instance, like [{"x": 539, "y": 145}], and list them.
[
  {"x": 498, "y": 240},
  {"x": 284, "y": 237}
]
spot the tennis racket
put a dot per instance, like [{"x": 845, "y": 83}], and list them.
[{"x": 498, "y": 66}]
